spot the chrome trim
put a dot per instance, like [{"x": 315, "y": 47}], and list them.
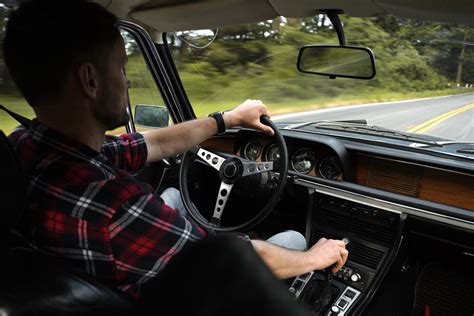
[
  {"x": 219, "y": 207},
  {"x": 350, "y": 301},
  {"x": 213, "y": 160},
  {"x": 385, "y": 205},
  {"x": 260, "y": 149},
  {"x": 300, "y": 150}
]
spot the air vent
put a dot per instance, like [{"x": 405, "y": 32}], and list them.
[
  {"x": 366, "y": 256},
  {"x": 358, "y": 253},
  {"x": 364, "y": 222},
  {"x": 394, "y": 177}
]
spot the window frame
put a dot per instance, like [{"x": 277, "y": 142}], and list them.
[{"x": 157, "y": 69}]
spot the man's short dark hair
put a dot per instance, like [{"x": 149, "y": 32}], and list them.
[{"x": 46, "y": 39}]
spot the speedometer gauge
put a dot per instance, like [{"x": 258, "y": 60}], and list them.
[
  {"x": 273, "y": 153},
  {"x": 303, "y": 160},
  {"x": 252, "y": 150},
  {"x": 330, "y": 168}
]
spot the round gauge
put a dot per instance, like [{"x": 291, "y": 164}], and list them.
[
  {"x": 303, "y": 160},
  {"x": 273, "y": 153},
  {"x": 252, "y": 150},
  {"x": 330, "y": 168}
]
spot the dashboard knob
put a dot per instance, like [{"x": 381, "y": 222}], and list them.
[
  {"x": 335, "y": 310},
  {"x": 355, "y": 277}
]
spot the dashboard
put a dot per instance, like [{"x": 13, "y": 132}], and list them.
[
  {"x": 410, "y": 181},
  {"x": 373, "y": 194},
  {"x": 324, "y": 159}
]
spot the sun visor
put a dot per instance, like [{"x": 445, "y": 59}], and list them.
[
  {"x": 305, "y": 8},
  {"x": 180, "y": 15},
  {"x": 452, "y": 11},
  {"x": 206, "y": 14}
]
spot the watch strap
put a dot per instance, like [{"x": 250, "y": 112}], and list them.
[{"x": 219, "y": 117}]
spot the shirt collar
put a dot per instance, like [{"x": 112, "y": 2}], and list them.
[{"x": 64, "y": 144}]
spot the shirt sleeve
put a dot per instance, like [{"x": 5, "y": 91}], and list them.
[
  {"x": 146, "y": 234},
  {"x": 127, "y": 152}
]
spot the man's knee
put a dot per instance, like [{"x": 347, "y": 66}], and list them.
[{"x": 289, "y": 239}]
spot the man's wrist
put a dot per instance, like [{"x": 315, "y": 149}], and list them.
[{"x": 219, "y": 118}]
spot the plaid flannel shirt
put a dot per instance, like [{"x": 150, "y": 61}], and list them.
[{"x": 86, "y": 207}]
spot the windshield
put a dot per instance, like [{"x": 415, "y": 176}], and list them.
[{"x": 423, "y": 85}]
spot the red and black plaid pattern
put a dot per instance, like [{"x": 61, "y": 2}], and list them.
[{"x": 87, "y": 207}]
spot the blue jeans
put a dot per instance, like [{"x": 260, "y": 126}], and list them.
[
  {"x": 288, "y": 239},
  {"x": 172, "y": 198}
]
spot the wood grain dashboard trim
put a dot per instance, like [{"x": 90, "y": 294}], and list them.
[
  {"x": 411, "y": 179},
  {"x": 223, "y": 144}
]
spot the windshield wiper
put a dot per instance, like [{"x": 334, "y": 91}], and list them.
[
  {"x": 454, "y": 142},
  {"x": 468, "y": 149},
  {"x": 361, "y": 125},
  {"x": 299, "y": 125}
]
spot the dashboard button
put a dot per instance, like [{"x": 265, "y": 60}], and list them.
[
  {"x": 350, "y": 294},
  {"x": 342, "y": 303}
]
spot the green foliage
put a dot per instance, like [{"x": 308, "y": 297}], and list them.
[{"x": 240, "y": 65}]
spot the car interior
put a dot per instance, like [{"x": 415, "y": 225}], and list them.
[{"x": 406, "y": 213}]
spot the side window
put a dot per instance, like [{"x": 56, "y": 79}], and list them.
[
  {"x": 148, "y": 108},
  {"x": 10, "y": 96}
]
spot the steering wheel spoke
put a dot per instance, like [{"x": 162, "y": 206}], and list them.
[
  {"x": 212, "y": 159},
  {"x": 222, "y": 196},
  {"x": 252, "y": 167},
  {"x": 231, "y": 168}
]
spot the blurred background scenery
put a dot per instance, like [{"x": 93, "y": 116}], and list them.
[{"x": 220, "y": 68}]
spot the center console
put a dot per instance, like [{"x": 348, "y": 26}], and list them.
[{"x": 374, "y": 235}]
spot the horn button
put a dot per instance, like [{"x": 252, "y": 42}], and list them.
[{"x": 231, "y": 170}]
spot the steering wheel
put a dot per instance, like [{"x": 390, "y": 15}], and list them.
[{"x": 231, "y": 168}]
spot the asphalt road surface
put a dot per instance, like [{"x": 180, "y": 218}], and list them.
[{"x": 450, "y": 117}]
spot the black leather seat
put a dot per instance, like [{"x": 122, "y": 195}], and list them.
[
  {"x": 220, "y": 275},
  {"x": 33, "y": 284}
]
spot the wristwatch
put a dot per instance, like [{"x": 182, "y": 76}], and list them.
[{"x": 219, "y": 117}]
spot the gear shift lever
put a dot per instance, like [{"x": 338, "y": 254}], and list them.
[
  {"x": 322, "y": 302},
  {"x": 346, "y": 240},
  {"x": 329, "y": 274}
]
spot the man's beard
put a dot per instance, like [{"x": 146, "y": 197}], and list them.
[{"x": 109, "y": 112}]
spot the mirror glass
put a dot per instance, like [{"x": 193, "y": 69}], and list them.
[
  {"x": 198, "y": 39},
  {"x": 337, "y": 61},
  {"x": 151, "y": 115}
]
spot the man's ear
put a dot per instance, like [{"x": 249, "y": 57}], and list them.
[{"x": 88, "y": 78}]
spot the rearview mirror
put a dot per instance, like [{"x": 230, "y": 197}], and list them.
[
  {"x": 151, "y": 115},
  {"x": 337, "y": 61},
  {"x": 198, "y": 39}
]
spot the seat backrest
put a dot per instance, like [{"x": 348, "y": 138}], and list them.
[
  {"x": 34, "y": 284},
  {"x": 220, "y": 275},
  {"x": 13, "y": 193}
]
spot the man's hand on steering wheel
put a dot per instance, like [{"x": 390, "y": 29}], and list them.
[
  {"x": 248, "y": 115},
  {"x": 231, "y": 168}
]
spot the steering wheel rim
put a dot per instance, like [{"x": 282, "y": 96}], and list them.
[{"x": 189, "y": 156}]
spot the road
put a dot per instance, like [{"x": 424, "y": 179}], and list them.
[{"x": 450, "y": 117}]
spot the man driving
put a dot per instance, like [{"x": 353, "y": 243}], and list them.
[{"x": 84, "y": 204}]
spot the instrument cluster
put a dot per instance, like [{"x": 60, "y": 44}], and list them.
[{"x": 312, "y": 159}]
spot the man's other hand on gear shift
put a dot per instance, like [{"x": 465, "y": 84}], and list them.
[{"x": 329, "y": 252}]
